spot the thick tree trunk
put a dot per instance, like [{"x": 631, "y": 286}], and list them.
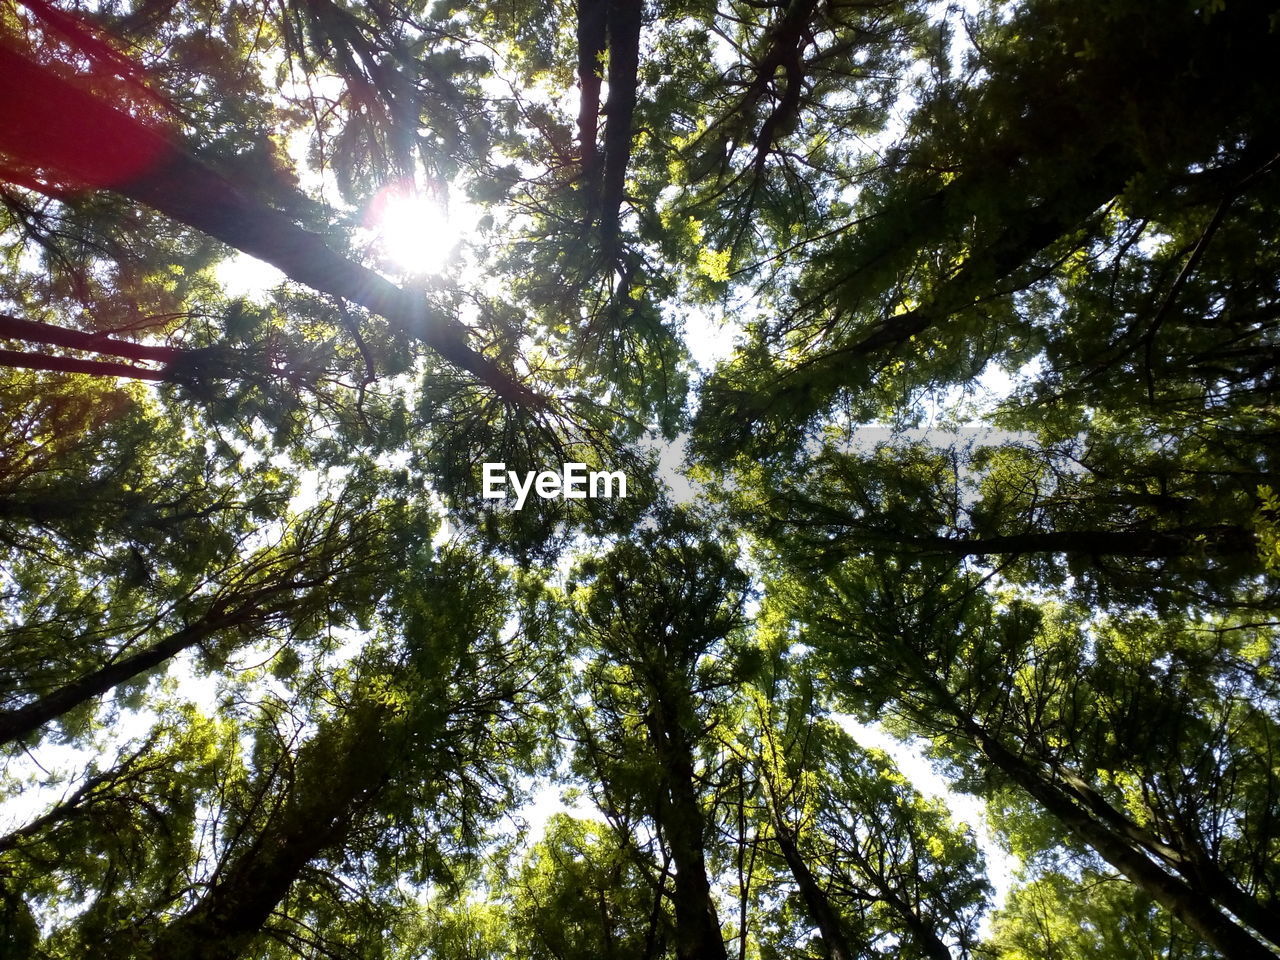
[
  {"x": 1093, "y": 821},
  {"x": 816, "y": 901},
  {"x": 1189, "y": 858},
  {"x": 23, "y": 721},
  {"x": 1191, "y": 906},
  {"x": 94, "y": 368},
  {"x": 338, "y": 780},
  {"x": 57, "y": 131},
  {"x": 679, "y": 817},
  {"x": 592, "y": 19},
  {"x": 1206, "y": 875},
  {"x": 624, "y": 64},
  {"x": 15, "y": 328}
]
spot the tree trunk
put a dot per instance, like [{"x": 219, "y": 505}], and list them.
[
  {"x": 679, "y": 817},
  {"x": 592, "y": 16},
  {"x": 816, "y": 901},
  {"x": 94, "y": 368},
  {"x": 624, "y": 64},
  {"x": 1191, "y": 906},
  {"x": 23, "y": 721},
  {"x": 1207, "y": 875},
  {"x": 1080, "y": 815},
  {"x": 57, "y": 130},
  {"x": 14, "y": 328},
  {"x": 341, "y": 775}
]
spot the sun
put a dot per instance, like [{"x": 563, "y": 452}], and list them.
[{"x": 412, "y": 230}]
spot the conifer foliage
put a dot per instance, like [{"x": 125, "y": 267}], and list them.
[{"x": 965, "y": 320}]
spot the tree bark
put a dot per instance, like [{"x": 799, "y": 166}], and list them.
[
  {"x": 59, "y": 132},
  {"x": 23, "y": 721},
  {"x": 15, "y": 328},
  {"x": 624, "y": 64},
  {"x": 94, "y": 368},
  {"x": 592, "y": 19},
  {"x": 816, "y": 901},
  {"x": 1193, "y": 907},
  {"x": 338, "y": 780},
  {"x": 679, "y": 817}
]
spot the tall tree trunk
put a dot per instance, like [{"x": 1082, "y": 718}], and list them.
[
  {"x": 57, "y": 130},
  {"x": 1088, "y": 816},
  {"x": 1206, "y": 875},
  {"x": 15, "y": 328},
  {"x": 338, "y": 778},
  {"x": 592, "y": 20},
  {"x": 679, "y": 817},
  {"x": 624, "y": 65},
  {"x": 1191, "y": 906},
  {"x": 1189, "y": 858},
  {"x": 94, "y": 368},
  {"x": 23, "y": 721},
  {"x": 816, "y": 901}
]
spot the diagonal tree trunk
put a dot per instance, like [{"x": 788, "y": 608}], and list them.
[
  {"x": 817, "y": 903},
  {"x": 253, "y": 609},
  {"x": 15, "y": 328},
  {"x": 62, "y": 133},
  {"x": 95, "y": 368},
  {"x": 1094, "y": 822},
  {"x": 1173, "y": 542},
  {"x": 1193, "y": 907},
  {"x": 340, "y": 773}
]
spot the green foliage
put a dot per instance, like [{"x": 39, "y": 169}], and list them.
[
  {"x": 1057, "y": 916},
  {"x": 580, "y": 894},
  {"x": 277, "y": 681}
]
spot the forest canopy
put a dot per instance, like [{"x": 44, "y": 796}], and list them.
[{"x": 937, "y": 344}]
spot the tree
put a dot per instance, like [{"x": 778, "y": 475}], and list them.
[
  {"x": 278, "y": 680},
  {"x": 148, "y": 168},
  {"x": 1129, "y": 517},
  {"x": 657, "y": 614},
  {"x": 1027, "y": 700},
  {"x": 581, "y": 893},
  {"x": 303, "y": 809},
  {"x": 878, "y": 868},
  {"x": 993, "y": 197},
  {"x": 1048, "y": 917}
]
